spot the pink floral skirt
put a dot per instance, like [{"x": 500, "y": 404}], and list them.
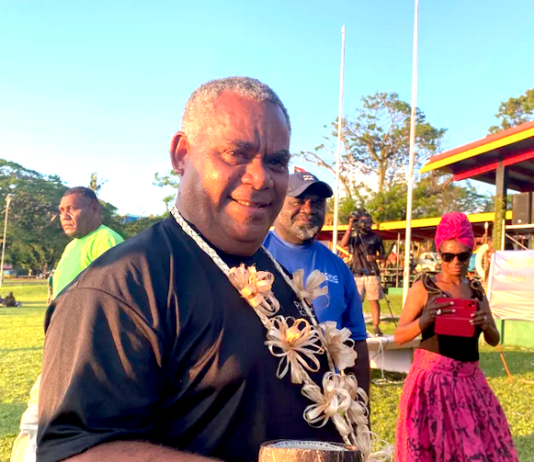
[{"x": 448, "y": 413}]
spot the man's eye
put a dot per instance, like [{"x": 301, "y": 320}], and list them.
[
  {"x": 279, "y": 162},
  {"x": 234, "y": 156}
]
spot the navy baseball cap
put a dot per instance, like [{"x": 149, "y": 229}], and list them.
[{"x": 299, "y": 183}]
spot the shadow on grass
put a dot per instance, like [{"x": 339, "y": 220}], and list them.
[
  {"x": 12, "y": 350},
  {"x": 389, "y": 378},
  {"x": 525, "y": 447},
  {"x": 10, "y": 414},
  {"x": 518, "y": 362},
  {"x": 33, "y": 304}
]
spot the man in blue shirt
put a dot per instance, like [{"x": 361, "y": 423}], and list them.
[{"x": 294, "y": 244}]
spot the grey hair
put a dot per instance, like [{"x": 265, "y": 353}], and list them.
[{"x": 202, "y": 98}]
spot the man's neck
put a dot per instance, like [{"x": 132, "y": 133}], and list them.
[
  {"x": 228, "y": 246},
  {"x": 93, "y": 229}
]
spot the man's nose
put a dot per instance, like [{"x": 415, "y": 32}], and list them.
[
  {"x": 307, "y": 207},
  {"x": 257, "y": 175}
]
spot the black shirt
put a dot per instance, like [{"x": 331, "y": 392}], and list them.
[
  {"x": 153, "y": 343},
  {"x": 361, "y": 245}
]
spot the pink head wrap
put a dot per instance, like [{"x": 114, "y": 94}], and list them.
[{"x": 455, "y": 226}]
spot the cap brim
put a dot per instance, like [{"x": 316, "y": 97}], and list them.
[{"x": 320, "y": 188}]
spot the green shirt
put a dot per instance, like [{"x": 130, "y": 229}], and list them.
[{"x": 80, "y": 253}]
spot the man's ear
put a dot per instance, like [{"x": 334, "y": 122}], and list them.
[
  {"x": 179, "y": 151},
  {"x": 95, "y": 209}
]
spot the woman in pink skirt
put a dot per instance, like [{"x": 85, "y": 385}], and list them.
[{"x": 447, "y": 411}]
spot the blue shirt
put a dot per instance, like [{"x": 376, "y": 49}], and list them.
[{"x": 343, "y": 304}]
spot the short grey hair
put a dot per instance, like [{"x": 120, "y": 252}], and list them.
[{"x": 201, "y": 101}]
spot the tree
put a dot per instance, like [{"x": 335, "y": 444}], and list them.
[
  {"x": 377, "y": 142},
  {"x": 515, "y": 111},
  {"x": 134, "y": 227},
  {"x": 110, "y": 217},
  {"x": 433, "y": 196},
  {"x": 35, "y": 239},
  {"x": 94, "y": 184},
  {"x": 167, "y": 180}
]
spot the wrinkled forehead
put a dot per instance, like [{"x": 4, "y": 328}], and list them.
[{"x": 233, "y": 117}]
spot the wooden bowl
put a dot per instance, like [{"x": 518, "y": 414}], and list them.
[{"x": 308, "y": 451}]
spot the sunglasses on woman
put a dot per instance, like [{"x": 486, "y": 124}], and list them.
[{"x": 463, "y": 257}]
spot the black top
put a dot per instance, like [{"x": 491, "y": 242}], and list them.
[
  {"x": 458, "y": 348},
  {"x": 153, "y": 343},
  {"x": 361, "y": 245}
]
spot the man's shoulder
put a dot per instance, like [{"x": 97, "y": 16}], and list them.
[
  {"x": 331, "y": 258},
  {"x": 105, "y": 232},
  {"x": 270, "y": 239},
  {"x": 150, "y": 248},
  {"x": 159, "y": 238}
]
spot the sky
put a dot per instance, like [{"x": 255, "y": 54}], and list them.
[{"x": 100, "y": 86}]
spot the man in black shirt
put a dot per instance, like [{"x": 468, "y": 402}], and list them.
[
  {"x": 152, "y": 354},
  {"x": 366, "y": 248}
]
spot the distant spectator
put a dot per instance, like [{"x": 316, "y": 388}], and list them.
[
  {"x": 10, "y": 301},
  {"x": 50, "y": 284}
]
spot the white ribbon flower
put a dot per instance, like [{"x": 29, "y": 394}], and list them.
[
  {"x": 339, "y": 344},
  {"x": 296, "y": 346},
  {"x": 357, "y": 412},
  {"x": 255, "y": 287},
  {"x": 311, "y": 290},
  {"x": 332, "y": 403}
]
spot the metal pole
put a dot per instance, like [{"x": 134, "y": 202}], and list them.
[
  {"x": 339, "y": 139},
  {"x": 8, "y": 201},
  {"x": 406, "y": 280}
]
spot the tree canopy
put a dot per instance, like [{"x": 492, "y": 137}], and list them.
[
  {"x": 35, "y": 239},
  {"x": 376, "y": 142},
  {"x": 433, "y": 196},
  {"x": 170, "y": 182},
  {"x": 515, "y": 111}
]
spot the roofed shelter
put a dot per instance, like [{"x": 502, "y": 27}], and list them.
[
  {"x": 422, "y": 228},
  {"x": 504, "y": 159}
]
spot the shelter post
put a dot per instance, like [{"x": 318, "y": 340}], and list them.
[{"x": 501, "y": 183}]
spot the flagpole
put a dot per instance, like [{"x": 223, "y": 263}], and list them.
[
  {"x": 339, "y": 140},
  {"x": 409, "y": 183}
]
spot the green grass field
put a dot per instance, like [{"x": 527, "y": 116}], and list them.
[{"x": 21, "y": 341}]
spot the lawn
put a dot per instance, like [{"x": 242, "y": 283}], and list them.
[
  {"x": 21, "y": 348},
  {"x": 21, "y": 340}
]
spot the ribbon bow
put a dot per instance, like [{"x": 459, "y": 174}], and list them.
[
  {"x": 332, "y": 403},
  {"x": 339, "y": 344},
  {"x": 255, "y": 287},
  {"x": 312, "y": 290},
  {"x": 296, "y": 346}
]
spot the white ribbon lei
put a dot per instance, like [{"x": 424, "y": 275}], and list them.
[
  {"x": 311, "y": 290},
  {"x": 298, "y": 344},
  {"x": 255, "y": 287}
]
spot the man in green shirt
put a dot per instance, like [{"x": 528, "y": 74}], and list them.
[{"x": 79, "y": 212}]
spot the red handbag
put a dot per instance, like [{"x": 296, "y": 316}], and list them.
[{"x": 457, "y": 323}]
